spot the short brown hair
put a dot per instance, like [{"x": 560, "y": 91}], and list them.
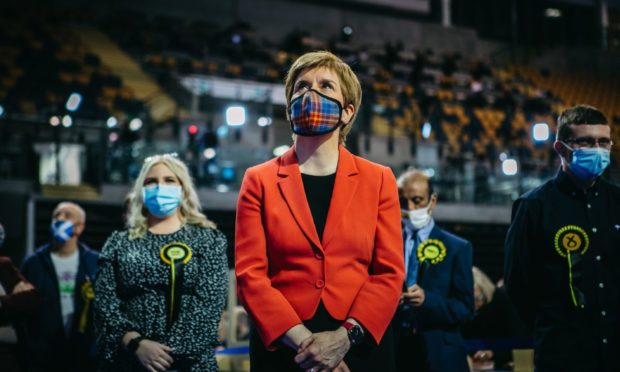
[
  {"x": 350, "y": 85},
  {"x": 578, "y": 115}
]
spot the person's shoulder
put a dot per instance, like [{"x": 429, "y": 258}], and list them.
[
  {"x": 41, "y": 250},
  {"x": 366, "y": 165},
  {"x": 205, "y": 232},
  {"x": 207, "y": 238},
  {"x": 613, "y": 188},
  {"x": 269, "y": 165},
  {"x": 117, "y": 235},
  {"x": 116, "y": 238},
  {"x": 538, "y": 192},
  {"x": 88, "y": 251}
]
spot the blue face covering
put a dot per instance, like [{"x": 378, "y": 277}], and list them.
[
  {"x": 62, "y": 230},
  {"x": 587, "y": 164},
  {"x": 162, "y": 200}
]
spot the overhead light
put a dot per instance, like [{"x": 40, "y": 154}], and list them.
[
  {"x": 228, "y": 172},
  {"x": 222, "y": 188},
  {"x": 67, "y": 121},
  {"x": 111, "y": 122},
  {"x": 430, "y": 172},
  {"x": 426, "y": 130},
  {"x": 73, "y": 103},
  {"x": 280, "y": 150},
  {"x": 209, "y": 153},
  {"x": 540, "y": 132},
  {"x": 347, "y": 30},
  {"x": 222, "y": 131},
  {"x": 113, "y": 137},
  {"x": 1, "y": 110},
  {"x": 553, "y": 13},
  {"x": 264, "y": 121},
  {"x": 135, "y": 124},
  {"x": 510, "y": 167},
  {"x": 235, "y": 116},
  {"x": 54, "y": 121}
]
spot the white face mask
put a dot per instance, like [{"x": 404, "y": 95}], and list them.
[{"x": 419, "y": 217}]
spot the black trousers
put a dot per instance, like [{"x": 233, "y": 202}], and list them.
[
  {"x": 367, "y": 357},
  {"x": 409, "y": 349}
]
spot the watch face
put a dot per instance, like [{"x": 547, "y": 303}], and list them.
[{"x": 356, "y": 335}]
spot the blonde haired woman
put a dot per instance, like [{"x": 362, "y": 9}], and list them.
[{"x": 162, "y": 284}]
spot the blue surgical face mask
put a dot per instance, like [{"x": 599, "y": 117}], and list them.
[
  {"x": 62, "y": 230},
  {"x": 162, "y": 200},
  {"x": 587, "y": 164}
]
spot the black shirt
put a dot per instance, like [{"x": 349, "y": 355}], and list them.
[
  {"x": 319, "y": 191},
  {"x": 551, "y": 224}
]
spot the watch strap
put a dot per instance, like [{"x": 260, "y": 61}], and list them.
[
  {"x": 354, "y": 332},
  {"x": 133, "y": 344},
  {"x": 348, "y": 325}
]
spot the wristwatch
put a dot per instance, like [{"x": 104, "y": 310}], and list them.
[
  {"x": 355, "y": 333},
  {"x": 133, "y": 344}
]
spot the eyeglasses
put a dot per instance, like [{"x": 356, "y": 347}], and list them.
[
  {"x": 149, "y": 159},
  {"x": 589, "y": 142}
]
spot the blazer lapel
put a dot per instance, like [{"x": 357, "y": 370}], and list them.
[
  {"x": 344, "y": 191},
  {"x": 426, "y": 266},
  {"x": 292, "y": 189}
]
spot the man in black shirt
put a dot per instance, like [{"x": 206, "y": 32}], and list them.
[{"x": 562, "y": 263}]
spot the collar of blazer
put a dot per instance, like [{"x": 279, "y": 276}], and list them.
[{"x": 292, "y": 189}]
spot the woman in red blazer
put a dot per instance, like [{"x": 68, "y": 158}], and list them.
[{"x": 318, "y": 246}]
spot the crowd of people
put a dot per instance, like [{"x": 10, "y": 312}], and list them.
[
  {"x": 477, "y": 109},
  {"x": 339, "y": 264}
]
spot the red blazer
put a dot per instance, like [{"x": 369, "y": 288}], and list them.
[{"x": 282, "y": 268}]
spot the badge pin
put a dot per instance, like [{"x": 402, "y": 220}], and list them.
[
  {"x": 431, "y": 250},
  {"x": 570, "y": 239}
]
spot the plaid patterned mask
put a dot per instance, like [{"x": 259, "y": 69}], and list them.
[{"x": 313, "y": 114}]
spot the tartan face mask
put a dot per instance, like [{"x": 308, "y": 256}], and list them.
[{"x": 314, "y": 114}]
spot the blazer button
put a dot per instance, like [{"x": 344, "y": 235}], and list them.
[
  {"x": 318, "y": 255},
  {"x": 319, "y": 284}
]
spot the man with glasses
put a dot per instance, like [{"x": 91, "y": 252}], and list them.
[
  {"x": 562, "y": 263},
  {"x": 437, "y": 294},
  {"x": 59, "y": 337}
]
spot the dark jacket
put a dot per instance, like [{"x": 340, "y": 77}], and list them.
[
  {"x": 449, "y": 303},
  {"x": 47, "y": 345},
  {"x": 562, "y": 272}
]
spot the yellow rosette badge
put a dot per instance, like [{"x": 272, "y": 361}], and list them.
[
  {"x": 88, "y": 294},
  {"x": 176, "y": 255},
  {"x": 431, "y": 250},
  {"x": 570, "y": 240}
]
